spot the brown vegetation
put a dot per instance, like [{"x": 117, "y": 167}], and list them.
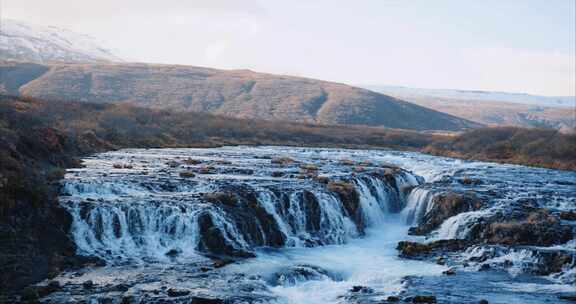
[{"x": 532, "y": 147}]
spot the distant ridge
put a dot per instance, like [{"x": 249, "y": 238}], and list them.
[{"x": 523, "y": 98}]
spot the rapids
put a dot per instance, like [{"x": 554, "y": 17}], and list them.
[{"x": 156, "y": 216}]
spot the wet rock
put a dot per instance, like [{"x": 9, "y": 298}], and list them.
[
  {"x": 121, "y": 287},
  {"x": 538, "y": 228},
  {"x": 282, "y": 160},
  {"x": 469, "y": 181},
  {"x": 350, "y": 199},
  {"x": 206, "y": 170},
  {"x": 173, "y": 252},
  {"x": 414, "y": 250},
  {"x": 199, "y": 300},
  {"x": 190, "y": 161},
  {"x": 221, "y": 197},
  {"x": 568, "y": 215},
  {"x": 444, "y": 206},
  {"x": 393, "y": 299},
  {"x": 212, "y": 240},
  {"x": 361, "y": 289},
  {"x": 88, "y": 284},
  {"x": 173, "y": 292},
  {"x": 423, "y": 299},
  {"x": 219, "y": 263},
  {"x": 322, "y": 179},
  {"x": 173, "y": 164},
  {"x": 309, "y": 167},
  {"x": 187, "y": 174},
  {"x": 571, "y": 298},
  {"x": 483, "y": 301},
  {"x": 277, "y": 174},
  {"x": 128, "y": 300},
  {"x": 300, "y": 273},
  {"x": 450, "y": 271}
]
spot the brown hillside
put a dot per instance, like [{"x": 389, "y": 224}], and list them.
[{"x": 238, "y": 93}]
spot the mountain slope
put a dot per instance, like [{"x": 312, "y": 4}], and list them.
[
  {"x": 505, "y": 109},
  {"x": 238, "y": 93},
  {"x": 33, "y": 43}
]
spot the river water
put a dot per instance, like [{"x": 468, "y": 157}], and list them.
[{"x": 135, "y": 209}]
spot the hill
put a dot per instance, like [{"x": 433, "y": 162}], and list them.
[
  {"x": 237, "y": 93},
  {"x": 494, "y": 108}
]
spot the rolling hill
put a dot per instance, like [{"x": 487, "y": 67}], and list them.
[
  {"x": 237, "y": 93},
  {"x": 495, "y": 108}
]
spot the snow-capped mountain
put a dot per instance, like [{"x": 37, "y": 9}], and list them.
[
  {"x": 522, "y": 98},
  {"x": 34, "y": 43}
]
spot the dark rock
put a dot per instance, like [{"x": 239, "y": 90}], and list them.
[
  {"x": 199, "y": 300},
  {"x": 568, "y": 215},
  {"x": 350, "y": 199},
  {"x": 424, "y": 299},
  {"x": 291, "y": 275},
  {"x": 172, "y": 292},
  {"x": 212, "y": 241},
  {"x": 277, "y": 174},
  {"x": 469, "y": 181},
  {"x": 128, "y": 300},
  {"x": 88, "y": 284},
  {"x": 450, "y": 271},
  {"x": 444, "y": 206},
  {"x": 441, "y": 261},
  {"x": 221, "y": 197},
  {"x": 414, "y": 250},
  {"x": 568, "y": 297},
  {"x": 219, "y": 263},
  {"x": 538, "y": 228},
  {"x": 393, "y": 299},
  {"x": 121, "y": 287},
  {"x": 361, "y": 289},
  {"x": 483, "y": 301},
  {"x": 173, "y": 252},
  {"x": 187, "y": 174}
]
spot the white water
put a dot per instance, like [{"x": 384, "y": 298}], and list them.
[
  {"x": 371, "y": 261},
  {"x": 140, "y": 217}
]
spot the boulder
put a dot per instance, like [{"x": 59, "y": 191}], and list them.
[
  {"x": 537, "y": 228},
  {"x": 418, "y": 250},
  {"x": 173, "y": 292},
  {"x": 568, "y": 215},
  {"x": 444, "y": 206}
]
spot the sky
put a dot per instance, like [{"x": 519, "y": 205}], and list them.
[{"x": 497, "y": 45}]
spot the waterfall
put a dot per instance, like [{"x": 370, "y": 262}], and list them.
[
  {"x": 418, "y": 203},
  {"x": 127, "y": 217}
]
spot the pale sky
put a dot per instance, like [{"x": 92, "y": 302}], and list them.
[{"x": 500, "y": 45}]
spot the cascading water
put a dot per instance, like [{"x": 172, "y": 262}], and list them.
[
  {"x": 164, "y": 209},
  {"x": 146, "y": 215}
]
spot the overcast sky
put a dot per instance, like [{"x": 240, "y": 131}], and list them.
[{"x": 504, "y": 45}]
